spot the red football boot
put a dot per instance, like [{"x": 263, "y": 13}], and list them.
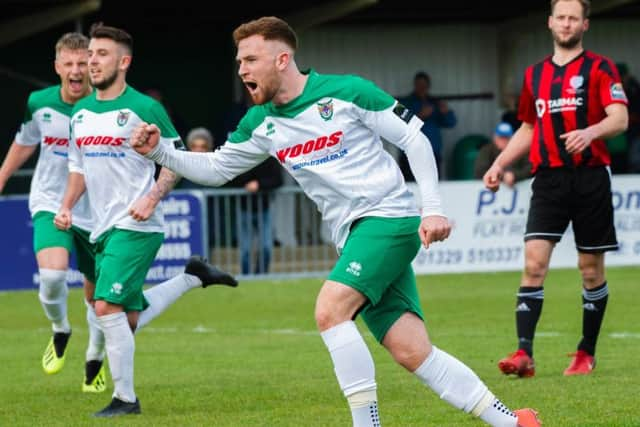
[
  {"x": 518, "y": 363},
  {"x": 527, "y": 418},
  {"x": 582, "y": 363}
]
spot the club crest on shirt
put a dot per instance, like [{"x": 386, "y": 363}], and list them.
[
  {"x": 123, "y": 117},
  {"x": 540, "y": 107},
  {"x": 326, "y": 109},
  {"x": 576, "y": 83}
]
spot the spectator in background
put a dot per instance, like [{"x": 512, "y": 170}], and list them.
[
  {"x": 521, "y": 169},
  {"x": 433, "y": 112},
  {"x": 510, "y": 115},
  {"x": 200, "y": 140},
  {"x": 632, "y": 89},
  {"x": 255, "y": 214}
]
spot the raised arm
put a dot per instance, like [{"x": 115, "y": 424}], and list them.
[{"x": 213, "y": 169}]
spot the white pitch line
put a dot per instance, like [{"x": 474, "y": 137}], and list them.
[
  {"x": 202, "y": 330},
  {"x": 624, "y": 335},
  {"x": 548, "y": 334}
]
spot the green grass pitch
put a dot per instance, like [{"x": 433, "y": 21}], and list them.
[{"x": 251, "y": 356}]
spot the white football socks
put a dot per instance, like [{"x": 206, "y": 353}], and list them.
[
  {"x": 457, "y": 384},
  {"x": 95, "y": 349},
  {"x": 493, "y": 412},
  {"x": 364, "y": 408},
  {"x": 355, "y": 372},
  {"x": 164, "y": 294},
  {"x": 53, "y": 297},
  {"x": 120, "y": 349}
]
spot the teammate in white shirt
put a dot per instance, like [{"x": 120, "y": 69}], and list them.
[
  {"x": 46, "y": 124},
  {"x": 326, "y": 130},
  {"x": 127, "y": 229}
]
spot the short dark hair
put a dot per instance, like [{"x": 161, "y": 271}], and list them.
[
  {"x": 269, "y": 27},
  {"x": 421, "y": 75},
  {"x": 101, "y": 31},
  {"x": 586, "y": 7}
]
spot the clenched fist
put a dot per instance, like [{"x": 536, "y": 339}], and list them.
[
  {"x": 493, "y": 177},
  {"x": 145, "y": 138},
  {"x": 62, "y": 220},
  {"x": 434, "y": 229}
]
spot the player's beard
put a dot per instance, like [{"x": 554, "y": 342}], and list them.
[
  {"x": 106, "y": 82},
  {"x": 569, "y": 43},
  {"x": 268, "y": 90}
]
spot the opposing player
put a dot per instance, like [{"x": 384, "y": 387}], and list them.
[
  {"x": 570, "y": 102},
  {"x": 46, "y": 125},
  {"x": 127, "y": 229},
  {"x": 325, "y": 131}
]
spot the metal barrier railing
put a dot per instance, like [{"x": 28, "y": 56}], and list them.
[{"x": 267, "y": 235}]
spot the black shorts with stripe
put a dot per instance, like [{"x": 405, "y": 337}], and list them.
[{"x": 580, "y": 196}]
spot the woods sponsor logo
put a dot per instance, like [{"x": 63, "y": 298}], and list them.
[
  {"x": 315, "y": 147},
  {"x": 52, "y": 140},
  {"x": 100, "y": 140}
]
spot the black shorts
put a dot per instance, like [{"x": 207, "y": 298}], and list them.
[{"x": 581, "y": 196}]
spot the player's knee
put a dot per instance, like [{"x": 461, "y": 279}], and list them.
[
  {"x": 104, "y": 308},
  {"x": 535, "y": 269},
  {"x": 325, "y": 318},
  {"x": 410, "y": 357},
  {"x": 53, "y": 285},
  {"x": 592, "y": 276}
]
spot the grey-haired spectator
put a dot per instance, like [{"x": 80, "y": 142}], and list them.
[{"x": 200, "y": 139}]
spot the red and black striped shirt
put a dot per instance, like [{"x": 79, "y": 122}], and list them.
[{"x": 558, "y": 99}]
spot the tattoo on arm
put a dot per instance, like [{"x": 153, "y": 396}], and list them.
[{"x": 164, "y": 184}]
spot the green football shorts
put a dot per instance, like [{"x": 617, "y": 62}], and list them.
[
  {"x": 46, "y": 235},
  {"x": 123, "y": 258},
  {"x": 376, "y": 261}
]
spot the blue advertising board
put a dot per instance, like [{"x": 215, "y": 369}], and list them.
[{"x": 184, "y": 236}]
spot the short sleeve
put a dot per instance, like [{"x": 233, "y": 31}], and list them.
[
  {"x": 527, "y": 106},
  {"x": 169, "y": 135},
  {"x": 610, "y": 85},
  {"x": 29, "y": 133}
]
